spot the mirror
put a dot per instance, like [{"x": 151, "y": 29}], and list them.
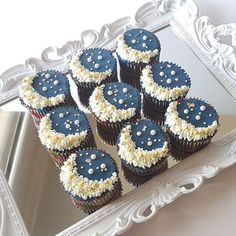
[{"x": 33, "y": 177}]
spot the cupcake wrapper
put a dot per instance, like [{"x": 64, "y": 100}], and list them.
[
  {"x": 132, "y": 69},
  {"x": 161, "y": 165},
  {"x": 59, "y": 157},
  {"x": 109, "y": 131},
  {"x": 91, "y": 205},
  {"x": 131, "y": 80},
  {"x": 184, "y": 145},
  {"x": 85, "y": 89}
]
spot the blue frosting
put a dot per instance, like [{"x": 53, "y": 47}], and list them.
[
  {"x": 122, "y": 96},
  {"x": 141, "y": 40},
  {"x": 50, "y": 83},
  {"x": 169, "y": 75},
  {"x": 145, "y": 131},
  {"x": 103, "y": 166},
  {"x": 196, "y": 112},
  {"x": 69, "y": 120},
  {"x": 98, "y": 60}
]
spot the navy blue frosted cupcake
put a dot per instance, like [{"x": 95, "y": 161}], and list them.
[
  {"x": 44, "y": 91},
  {"x": 136, "y": 48},
  {"x": 161, "y": 84},
  {"x": 90, "y": 177},
  {"x": 113, "y": 105},
  {"x": 90, "y": 68},
  {"x": 191, "y": 124},
  {"x": 63, "y": 131},
  {"x": 143, "y": 148}
]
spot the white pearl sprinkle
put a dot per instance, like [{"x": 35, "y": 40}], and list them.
[
  {"x": 89, "y": 59},
  {"x": 149, "y": 143},
  {"x": 197, "y": 117},
  {"x": 133, "y": 41},
  {"x": 105, "y": 169},
  {"x": 186, "y": 111},
  {"x": 168, "y": 81},
  {"x": 145, "y": 37},
  {"x": 82, "y": 167},
  {"x": 204, "y": 122},
  {"x": 103, "y": 166},
  {"x": 125, "y": 90},
  {"x": 61, "y": 115},
  {"x": 108, "y": 62},
  {"x": 96, "y": 65},
  {"x": 144, "y": 45},
  {"x": 47, "y": 76},
  {"x": 176, "y": 79},
  {"x": 93, "y": 156},
  {"x": 44, "y": 89},
  {"x": 139, "y": 133},
  {"x": 76, "y": 122},
  {"x": 187, "y": 117},
  {"x": 90, "y": 171},
  {"x": 56, "y": 82},
  {"x": 97, "y": 167},
  {"x": 55, "y": 91},
  {"x": 110, "y": 92},
  {"x": 40, "y": 84},
  {"x": 161, "y": 73},
  {"x": 168, "y": 66},
  {"x": 202, "y": 108},
  {"x": 121, "y": 101},
  {"x": 153, "y": 132},
  {"x": 99, "y": 57},
  {"x": 88, "y": 160},
  {"x": 210, "y": 115},
  {"x": 67, "y": 126},
  {"x": 172, "y": 72}
]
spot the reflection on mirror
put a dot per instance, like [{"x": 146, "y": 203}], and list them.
[{"x": 33, "y": 177}]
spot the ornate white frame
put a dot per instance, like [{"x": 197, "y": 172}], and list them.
[{"x": 205, "y": 40}]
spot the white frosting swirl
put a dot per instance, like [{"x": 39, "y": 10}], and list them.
[
  {"x": 159, "y": 92},
  {"x": 54, "y": 140},
  {"x": 81, "y": 186},
  {"x": 33, "y": 99},
  {"x": 129, "y": 54},
  {"x": 184, "y": 129},
  {"x": 82, "y": 74},
  {"x": 137, "y": 156},
  {"x": 104, "y": 110}
]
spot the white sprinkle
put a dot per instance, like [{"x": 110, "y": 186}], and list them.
[
  {"x": 89, "y": 59},
  {"x": 154, "y": 140},
  {"x": 110, "y": 92},
  {"x": 60, "y": 89},
  {"x": 99, "y": 52},
  {"x": 144, "y": 45},
  {"x": 197, "y": 117},
  {"x": 82, "y": 167},
  {"x": 187, "y": 117},
  {"x": 142, "y": 142},
  {"x": 108, "y": 62},
  {"x": 186, "y": 111},
  {"x": 210, "y": 115},
  {"x": 97, "y": 167},
  {"x": 96, "y": 65},
  {"x": 168, "y": 81},
  {"x": 161, "y": 80},
  {"x": 153, "y": 132},
  {"x": 99, "y": 57},
  {"x": 204, "y": 122},
  {"x": 199, "y": 113},
  {"x": 125, "y": 90},
  {"x": 47, "y": 76},
  {"x": 159, "y": 140},
  {"x": 202, "y": 108},
  {"x": 161, "y": 73},
  {"x": 88, "y": 160},
  {"x": 67, "y": 112},
  {"x": 44, "y": 89},
  {"x": 76, "y": 122},
  {"x": 40, "y": 84},
  {"x": 56, "y": 82},
  {"x": 61, "y": 115},
  {"x": 67, "y": 126},
  {"x": 55, "y": 91},
  {"x": 149, "y": 143},
  {"x": 56, "y": 124},
  {"x": 172, "y": 72},
  {"x": 139, "y": 133},
  {"x": 176, "y": 79},
  {"x": 90, "y": 171},
  {"x": 103, "y": 166},
  {"x": 50, "y": 87},
  {"x": 133, "y": 41},
  {"x": 145, "y": 37},
  {"x": 191, "y": 109},
  {"x": 105, "y": 169},
  {"x": 121, "y": 101},
  {"x": 168, "y": 66},
  {"x": 55, "y": 76},
  {"x": 93, "y": 156}
]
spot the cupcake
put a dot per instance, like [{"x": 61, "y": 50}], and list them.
[
  {"x": 113, "y": 105},
  {"x": 135, "y": 49},
  {"x": 161, "y": 84},
  {"x": 90, "y": 68},
  {"x": 44, "y": 91},
  {"x": 90, "y": 177},
  {"x": 191, "y": 124},
  {"x": 63, "y": 131},
  {"x": 143, "y": 148}
]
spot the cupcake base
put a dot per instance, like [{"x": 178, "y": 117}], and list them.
[
  {"x": 131, "y": 80},
  {"x": 91, "y": 205}
]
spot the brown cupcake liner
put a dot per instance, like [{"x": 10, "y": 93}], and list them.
[
  {"x": 131, "y": 80},
  {"x": 91, "y": 205}
]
